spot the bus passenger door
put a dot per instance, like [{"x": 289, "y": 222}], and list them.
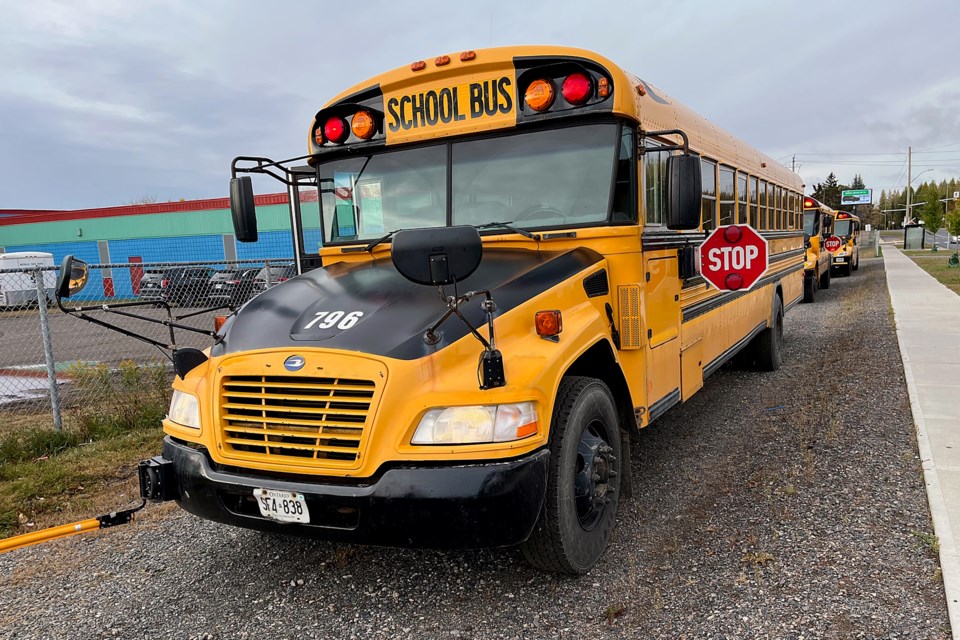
[{"x": 662, "y": 320}]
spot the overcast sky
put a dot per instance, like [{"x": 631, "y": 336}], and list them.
[{"x": 106, "y": 102}]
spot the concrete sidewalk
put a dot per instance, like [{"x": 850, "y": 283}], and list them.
[{"x": 928, "y": 329}]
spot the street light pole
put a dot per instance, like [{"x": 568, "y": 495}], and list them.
[{"x": 909, "y": 181}]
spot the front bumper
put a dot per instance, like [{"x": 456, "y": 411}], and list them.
[{"x": 455, "y": 506}]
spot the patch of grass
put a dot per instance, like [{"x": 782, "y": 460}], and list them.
[
  {"x": 928, "y": 542},
  {"x": 48, "y": 477},
  {"x": 949, "y": 276}
]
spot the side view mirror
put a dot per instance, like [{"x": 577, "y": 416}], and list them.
[
  {"x": 73, "y": 276},
  {"x": 439, "y": 256},
  {"x": 243, "y": 209},
  {"x": 684, "y": 191}
]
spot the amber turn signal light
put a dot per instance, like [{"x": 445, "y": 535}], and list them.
[
  {"x": 218, "y": 322},
  {"x": 539, "y": 95},
  {"x": 363, "y": 125},
  {"x": 548, "y": 323}
]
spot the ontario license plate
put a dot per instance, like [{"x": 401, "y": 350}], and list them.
[
  {"x": 283, "y": 506},
  {"x": 840, "y": 260}
]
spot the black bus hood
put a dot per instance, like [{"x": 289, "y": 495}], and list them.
[{"x": 369, "y": 307}]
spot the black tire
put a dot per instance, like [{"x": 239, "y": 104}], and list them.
[
  {"x": 767, "y": 347},
  {"x": 583, "y": 486},
  {"x": 809, "y": 288},
  {"x": 848, "y": 270},
  {"x": 856, "y": 265},
  {"x": 825, "y": 279}
]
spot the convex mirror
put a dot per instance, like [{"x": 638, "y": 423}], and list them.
[{"x": 73, "y": 276}]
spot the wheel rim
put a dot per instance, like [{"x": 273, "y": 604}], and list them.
[{"x": 594, "y": 474}]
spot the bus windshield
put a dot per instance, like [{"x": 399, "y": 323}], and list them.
[
  {"x": 810, "y": 223},
  {"x": 841, "y": 227},
  {"x": 556, "y": 177}
]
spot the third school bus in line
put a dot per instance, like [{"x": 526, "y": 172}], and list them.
[
  {"x": 846, "y": 259},
  {"x": 817, "y": 227},
  {"x": 499, "y": 288}
]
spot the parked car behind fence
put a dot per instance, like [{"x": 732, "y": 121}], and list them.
[
  {"x": 232, "y": 287},
  {"x": 184, "y": 286}
]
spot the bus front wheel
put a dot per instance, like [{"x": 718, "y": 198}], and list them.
[{"x": 583, "y": 486}]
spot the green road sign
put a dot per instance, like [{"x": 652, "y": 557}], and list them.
[{"x": 856, "y": 196}]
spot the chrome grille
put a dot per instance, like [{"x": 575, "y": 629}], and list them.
[{"x": 287, "y": 418}]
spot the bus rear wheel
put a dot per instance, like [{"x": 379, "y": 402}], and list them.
[
  {"x": 768, "y": 345},
  {"x": 809, "y": 288},
  {"x": 583, "y": 486},
  {"x": 825, "y": 279}
]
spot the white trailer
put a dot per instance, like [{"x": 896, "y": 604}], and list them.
[{"x": 18, "y": 289}]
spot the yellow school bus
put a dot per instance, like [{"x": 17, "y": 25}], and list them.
[
  {"x": 817, "y": 227},
  {"x": 499, "y": 288},
  {"x": 846, "y": 259}
]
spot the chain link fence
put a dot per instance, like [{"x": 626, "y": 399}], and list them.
[{"x": 54, "y": 366}]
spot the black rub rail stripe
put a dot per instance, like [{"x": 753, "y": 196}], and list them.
[
  {"x": 777, "y": 257},
  {"x": 659, "y": 407},
  {"x": 654, "y": 241},
  {"x": 719, "y": 361},
  {"x": 724, "y": 298}
]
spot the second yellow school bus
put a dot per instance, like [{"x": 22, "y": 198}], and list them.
[
  {"x": 817, "y": 227},
  {"x": 506, "y": 292}
]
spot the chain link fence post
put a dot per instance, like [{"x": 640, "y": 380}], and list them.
[{"x": 48, "y": 349}]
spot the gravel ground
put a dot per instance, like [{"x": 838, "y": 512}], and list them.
[{"x": 785, "y": 505}]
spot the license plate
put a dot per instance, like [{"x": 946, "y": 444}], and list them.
[
  {"x": 218, "y": 286},
  {"x": 283, "y": 506},
  {"x": 839, "y": 259}
]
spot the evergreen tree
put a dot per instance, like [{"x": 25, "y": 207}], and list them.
[
  {"x": 828, "y": 192},
  {"x": 931, "y": 212},
  {"x": 857, "y": 182}
]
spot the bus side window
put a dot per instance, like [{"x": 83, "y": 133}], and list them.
[
  {"x": 764, "y": 214},
  {"x": 727, "y": 196},
  {"x": 654, "y": 183},
  {"x": 754, "y": 211},
  {"x": 791, "y": 211},
  {"x": 742, "y": 199},
  {"x": 779, "y": 204},
  {"x": 708, "y": 211}
]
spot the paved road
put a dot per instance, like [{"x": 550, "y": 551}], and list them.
[
  {"x": 784, "y": 505},
  {"x": 74, "y": 339}
]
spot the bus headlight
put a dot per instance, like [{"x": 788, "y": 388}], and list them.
[
  {"x": 184, "y": 410},
  {"x": 477, "y": 424}
]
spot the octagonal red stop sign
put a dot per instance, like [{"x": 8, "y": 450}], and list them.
[
  {"x": 733, "y": 258},
  {"x": 832, "y": 243}
]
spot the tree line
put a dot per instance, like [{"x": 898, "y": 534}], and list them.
[{"x": 926, "y": 205}]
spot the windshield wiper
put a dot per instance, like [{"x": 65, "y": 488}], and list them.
[
  {"x": 508, "y": 227},
  {"x": 369, "y": 247}
]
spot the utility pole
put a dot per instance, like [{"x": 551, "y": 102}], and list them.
[
  {"x": 793, "y": 163},
  {"x": 909, "y": 180}
]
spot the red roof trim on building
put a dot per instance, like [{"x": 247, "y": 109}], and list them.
[{"x": 27, "y": 216}]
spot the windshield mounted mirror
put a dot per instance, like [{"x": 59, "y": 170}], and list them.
[
  {"x": 684, "y": 191},
  {"x": 437, "y": 256},
  {"x": 243, "y": 209},
  {"x": 73, "y": 276}
]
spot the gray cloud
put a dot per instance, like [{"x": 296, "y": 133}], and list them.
[{"x": 105, "y": 102}]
